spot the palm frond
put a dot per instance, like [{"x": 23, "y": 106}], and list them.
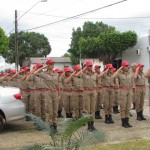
[
  {"x": 41, "y": 125},
  {"x": 73, "y": 126},
  {"x": 91, "y": 138}
]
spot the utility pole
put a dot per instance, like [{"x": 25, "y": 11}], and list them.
[{"x": 16, "y": 41}]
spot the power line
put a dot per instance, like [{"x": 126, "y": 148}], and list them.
[
  {"x": 11, "y": 31},
  {"x": 144, "y": 17},
  {"x": 28, "y": 10},
  {"x": 69, "y": 18}
]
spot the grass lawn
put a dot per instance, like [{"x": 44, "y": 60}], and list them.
[{"x": 131, "y": 145}]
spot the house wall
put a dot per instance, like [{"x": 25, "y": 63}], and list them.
[
  {"x": 131, "y": 56},
  {"x": 59, "y": 65}
]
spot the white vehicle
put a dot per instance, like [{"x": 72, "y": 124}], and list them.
[{"x": 11, "y": 106}]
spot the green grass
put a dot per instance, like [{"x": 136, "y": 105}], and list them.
[{"x": 131, "y": 145}]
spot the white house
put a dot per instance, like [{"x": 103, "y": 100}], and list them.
[
  {"x": 140, "y": 53},
  {"x": 60, "y": 62}
]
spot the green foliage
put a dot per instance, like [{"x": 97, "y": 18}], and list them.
[
  {"x": 66, "y": 55},
  {"x": 30, "y": 44},
  {"x": 89, "y": 30},
  {"x": 100, "y": 41},
  {"x": 70, "y": 135},
  {"x": 107, "y": 46},
  {"x": 4, "y": 43}
]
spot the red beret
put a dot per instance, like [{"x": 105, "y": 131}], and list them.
[
  {"x": 5, "y": 74},
  {"x": 49, "y": 61},
  {"x": 97, "y": 66},
  {"x": 77, "y": 67},
  {"x": 26, "y": 68},
  {"x": 89, "y": 63},
  {"x": 12, "y": 71},
  {"x": 140, "y": 65},
  {"x": 109, "y": 66},
  {"x": 66, "y": 69},
  {"x": 124, "y": 63},
  {"x": 39, "y": 64},
  {"x": 58, "y": 70}
]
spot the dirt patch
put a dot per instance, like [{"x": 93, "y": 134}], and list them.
[{"x": 22, "y": 133}]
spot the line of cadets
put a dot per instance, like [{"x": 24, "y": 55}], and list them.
[{"x": 81, "y": 92}]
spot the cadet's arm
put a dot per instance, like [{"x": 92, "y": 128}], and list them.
[
  {"x": 62, "y": 75},
  {"x": 147, "y": 73},
  {"x": 37, "y": 71},
  {"x": 116, "y": 73},
  {"x": 77, "y": 74},
  {"x": 136, "y": 73},
  {"x": 102, "y": 73},
  {"x": 4, "y": 76},
  {"x": 24, "y": 78},
  {"x": 30, "y": 74},
  {"x": 14, "y": 75},
  {"x": 70, "y": 77}
]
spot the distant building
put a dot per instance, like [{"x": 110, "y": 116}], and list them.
[
  {"x": 60, "y": 62},
  {"x": 140, "y": 53},
  {"x": 95, "y": 61}
]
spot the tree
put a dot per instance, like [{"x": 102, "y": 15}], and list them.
[
  {"x": 107, "y": 46},
  {"x": 89, "y": 30},
  {"x": 30, "y": 44},
  {"x": 4, "y": 43},
  {"x": 66, "y": 55},
  {"x": 100, "y": 41}
]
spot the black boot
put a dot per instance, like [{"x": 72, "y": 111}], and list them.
[
  {"x": 89, "y": 126},
  {"x": 55, "y": 127},
  {"x": 59, "y": 114},
  {"x": 127, "y": 122},
  {"x": 124, "y": 123},
  {"x": 117, "y": 110},
  {"x": 138, "y": 116},
  {"x": 70, "y": 115},
  {"x": 27, "y": 118},
  {"x": 97, "y": 115},
  {"x": 92, "y": 126},
  {"x": 110, "y": 119},
  {"x": 114, "y": 110},
  {"x": 67, "y": 115},
  {"x": 133, "y": 108},
  {"x": 142, "y": 117},
  {"x": 107, "y": 119}
]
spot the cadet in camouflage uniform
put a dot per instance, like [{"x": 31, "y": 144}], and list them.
[
  {"x": 77, "y": 93},
  {"x": 134, "y": 66},
  {"x": 108, "y": 92},
  {"x": 51, "y": 84},
  {"x": 67, "y": 94},
  {"x": 37, "y": 96},
  {"x": 60, "y": 105},
  {"x": 125, "y": 86},
  {"x": 140, "y": 91},
  {"x": 99, "y": 97},
  {"x": 90, "y": 82},
  {"x": 116, "y": 94}
]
